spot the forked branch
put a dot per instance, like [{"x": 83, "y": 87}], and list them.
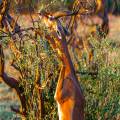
[{"x": 12, "y": 82}]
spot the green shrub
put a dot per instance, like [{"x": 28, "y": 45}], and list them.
[{"x": 102, "y": 91}]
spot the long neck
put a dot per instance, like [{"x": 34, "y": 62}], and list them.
[
  {"x": 63, "y": 52},
  {"x": 66, "y": 59}
]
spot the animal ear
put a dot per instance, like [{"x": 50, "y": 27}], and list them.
[
  {"x": 59, "y": 34},
  {"x": 63, "y": 30},
  {"x": 66, "y": 32}
]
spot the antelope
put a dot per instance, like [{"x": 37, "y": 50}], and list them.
[
  {"x": 77, "y": 39},
  {"x": 100, "y": 9},
  {"x": 68, "y": 94}
]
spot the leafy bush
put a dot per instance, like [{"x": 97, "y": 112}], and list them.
[{"x": 102, "y": 91}]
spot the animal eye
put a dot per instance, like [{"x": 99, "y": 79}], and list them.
[{"x": 59, "y": 34}]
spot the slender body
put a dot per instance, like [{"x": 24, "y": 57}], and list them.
[
  {"x": 79, "y": 36},
  {"x": 68, "y": 94}
]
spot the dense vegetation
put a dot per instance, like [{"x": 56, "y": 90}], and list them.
[
  {"x": 26, "y": 5},
  {"x": 101, "y": 90}
]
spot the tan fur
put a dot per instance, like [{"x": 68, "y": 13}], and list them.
[{"x": 68, "y": 94}]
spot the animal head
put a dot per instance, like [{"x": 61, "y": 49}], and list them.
[
  {"x": 54, "y": 24},
  {"x": 57, "y": 33}
]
